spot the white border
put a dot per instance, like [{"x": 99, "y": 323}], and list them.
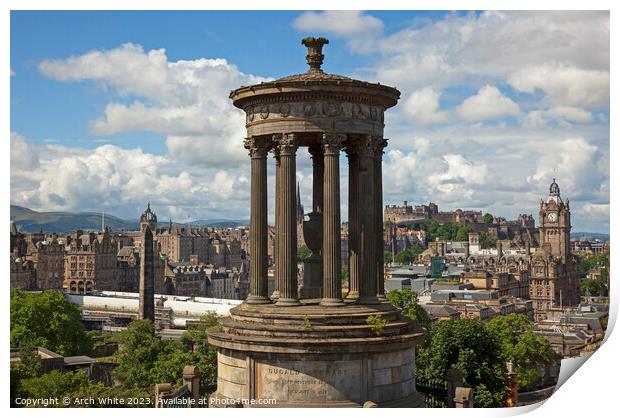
[{"x": 590, "y": 392}]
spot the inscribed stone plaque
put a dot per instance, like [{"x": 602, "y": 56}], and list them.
[{"x": 309, "y": 381}]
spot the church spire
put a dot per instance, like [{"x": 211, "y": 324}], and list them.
[{"x": 299, "y": 208}]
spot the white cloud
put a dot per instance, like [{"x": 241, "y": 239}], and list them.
[
  {"x": 52, "y": 177},
  {"x": 556, "y": 62},
  {"x": 488, "y": 103},
  {"x": 361, "y": 30},
  {"x": 564, "y": 83},
  {"x": 573, "y": 114},
  {"x": 576, "y": 163},
  {"x": 185, "y": 100},
  {"x": 524, "y": 47},
  {"x": 22, "y": 154},
  {"x": 423, "y": 106}
]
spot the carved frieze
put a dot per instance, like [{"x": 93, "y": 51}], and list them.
[{"x": 325, "y": 108}]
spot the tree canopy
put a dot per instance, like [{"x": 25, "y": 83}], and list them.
[
  {"x": 46, "y": 319},
  {"x": 599, "y": 285},
  {"x": 408, "y": 255},
  {"x": 303, "y": 252},
  {"x": 521, "y": 346},
  {"x": 144, "y": 359},
  {"x": 407, "y": 301},
  {"x": 487, "y": 218},
  {"x": 467, "y": 345}
]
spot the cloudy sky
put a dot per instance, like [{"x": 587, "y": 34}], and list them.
[{"x": 493, "y": 106}]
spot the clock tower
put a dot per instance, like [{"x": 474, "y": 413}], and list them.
[{"x": 555, "y": 223}]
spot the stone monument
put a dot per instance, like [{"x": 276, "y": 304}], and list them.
[
  {"x": 316, "y": 347},
  {"x": 146, "y": 306}
]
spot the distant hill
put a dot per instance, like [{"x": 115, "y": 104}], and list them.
[
  {"x": 593, "y": 235},
  {"x": 65, "y": 222},
  {"x": 29, "y": 220}
]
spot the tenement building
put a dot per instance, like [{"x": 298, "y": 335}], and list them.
[
  {"x": 90, "y": 262},
  {"x": 315, "y": 347},
  {"x": 48, "y": 258}
]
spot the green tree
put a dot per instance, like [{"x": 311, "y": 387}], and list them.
[
  {"x": 344, "y": 274},
  {"x": 407, "y": 301},
  {"x": 487, "y": 241},
  {"x": 387, "y": 257},
  {"x": 75, "y": 385},
  {"x": 28, "y": 367},
  {"x": 206, "y": 355},
  {"x": 303, "y": 252},
  {"x": 46, "y": 319},
  {"x": 465, "y": 344},
  {"x": 138, "y": 350},
  {"x": 462, "y": 233},
  {"x": 487, "y": 218},
  {"x": 521, "y": 346},
  {"x": 599, "y": 285},
  {"x": 408, "y": 255},
  {"x": 55, "y": 384}
]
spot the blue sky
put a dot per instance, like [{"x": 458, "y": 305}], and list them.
[
  {"x": 256, "y": 43},
  {"x": 134, "y": 105}
]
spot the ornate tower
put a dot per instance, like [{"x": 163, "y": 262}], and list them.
[
  {"x": 555, "y": 223},
  {"x": 148, "y": 218}
]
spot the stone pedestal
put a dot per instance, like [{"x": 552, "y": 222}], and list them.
[{"x": 317, "y": 356}]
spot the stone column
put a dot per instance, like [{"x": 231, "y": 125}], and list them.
[
  {"x": 286, "y": 222},
  {"x": 367, "y": 223},
  {"x": 380, "y": 144},
  {"x": 354, "y": 259},
  {"x": 332, "y": 285},
  {"x": 278, "y": 204},
  {"x": 313, "y": 230},
  {"x": 258, "y": 148}
]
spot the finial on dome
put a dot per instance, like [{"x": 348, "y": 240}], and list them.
[{"x": 315, "y": 56}]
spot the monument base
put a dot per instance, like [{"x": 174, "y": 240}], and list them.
[{"x": 311, "y": 356}]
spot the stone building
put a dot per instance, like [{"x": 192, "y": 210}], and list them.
[
  {"x": 407, "y": 213},
  {"x": 587, "y": 246},
  {"x": 554, "y": 269},
  {"x": 186, "y": 279},
  {"x": 516, "y": 231},
  {"x": 22, "y": 273},
  {"x": 515, "y": 284},
  {"x": 90, "y": 262},
  {"x": 128, "y": 269},
  {"x": 47, "y": 256},
  {"x": 222, "y": 247},
  {"x": 478, "y": 303},
  {"x": 18, "y": 241}
]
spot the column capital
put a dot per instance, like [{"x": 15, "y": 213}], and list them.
[
  {"x": 257, "y": 147},
  {"x": 380, "y": 143},
  {"x": 366, "y": 146},
  {"x": 286, "y": 144},
  {"x": 332, "y": 142}
]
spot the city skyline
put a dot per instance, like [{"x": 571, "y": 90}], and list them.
[{"x": 480, "y": 125}]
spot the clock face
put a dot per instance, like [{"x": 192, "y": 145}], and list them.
[{"x": 552, "y": 216}]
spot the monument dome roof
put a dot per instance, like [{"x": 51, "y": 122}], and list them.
[{"x": 315, "y": 79}]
